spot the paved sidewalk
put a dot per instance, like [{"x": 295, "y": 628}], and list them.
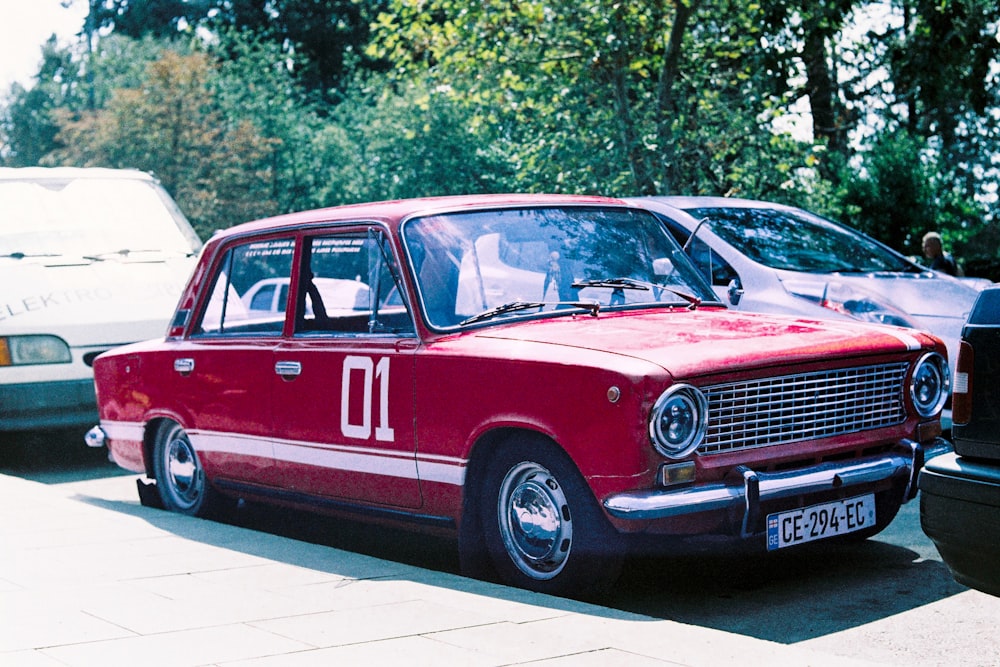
[{"x": 90, "y": 577}]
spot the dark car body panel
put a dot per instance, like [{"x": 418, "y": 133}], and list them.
[
  {"x": 960, "y": 491},
  {"x": 960, "y": 512},
  {"x": 980, "y": 437}
]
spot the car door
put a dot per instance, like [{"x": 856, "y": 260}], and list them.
[
  {"x": 343, "y": 382},
  {"x": 223, "y": 369}
]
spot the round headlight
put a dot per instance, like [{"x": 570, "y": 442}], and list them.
[
  {"x": 678, "y": 422},
  {"x": 930, "y": 384}
]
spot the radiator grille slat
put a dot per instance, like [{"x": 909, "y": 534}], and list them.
[{"x": 772, "y": 411}]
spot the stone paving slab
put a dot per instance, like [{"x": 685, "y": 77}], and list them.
[{"x": 88, "y": 576}]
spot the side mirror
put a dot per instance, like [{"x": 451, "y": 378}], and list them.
[{"x": 735, "y": 291}]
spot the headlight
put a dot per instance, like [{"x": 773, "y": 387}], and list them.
[
  {"x": 25, "y": 350},
  {"x": 930, "y": 384},
  {"x": 678, "y": 422},
  {"x": 851, "y": 301}
]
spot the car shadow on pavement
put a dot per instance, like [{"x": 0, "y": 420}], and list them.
[
  {"x": 791, "y": 597},
  {"x": 54, "y": 457},
  {"x": 786, "y": 597}
]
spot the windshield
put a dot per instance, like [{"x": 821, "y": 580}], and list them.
[
  {"x": 90, "y": 217},
  {"x": 797, "y": 241},
  {"x": 478, "y": 266}
]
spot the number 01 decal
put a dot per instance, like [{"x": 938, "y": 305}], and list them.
[{"x": 372, "y": 372}]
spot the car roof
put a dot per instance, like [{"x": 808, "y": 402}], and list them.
[
  {"x": 65, "y": 173},
  {"x": 398, "y": 210},
  {"x": 684, "y": 202}
]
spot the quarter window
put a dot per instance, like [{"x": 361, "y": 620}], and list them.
[{"x": 247, "y": 290}]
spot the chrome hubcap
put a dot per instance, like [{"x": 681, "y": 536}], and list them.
[
  {"x": 535, "y": 521},
  {"x": 183, "y": 470}
]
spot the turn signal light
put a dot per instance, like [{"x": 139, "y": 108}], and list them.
[{"x": 673, "y": 474}]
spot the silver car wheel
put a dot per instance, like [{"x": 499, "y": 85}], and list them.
[
  {"x": 179, "y": 475},
  {"x": 535, "y": 522}
]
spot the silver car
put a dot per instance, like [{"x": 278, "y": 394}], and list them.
[{"x": 766, "y": 257}]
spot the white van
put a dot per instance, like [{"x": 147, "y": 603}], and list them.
[{"x": 89, "y": 259}]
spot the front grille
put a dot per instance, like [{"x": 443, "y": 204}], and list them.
[{"x": 772, "y": 411}]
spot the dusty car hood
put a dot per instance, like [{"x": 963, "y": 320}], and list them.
[
  {"x": 688, "y": 344},
  {"x": 90, "y": 303}
]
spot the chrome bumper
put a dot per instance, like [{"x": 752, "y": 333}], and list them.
[{"x": 755, "y": 488}]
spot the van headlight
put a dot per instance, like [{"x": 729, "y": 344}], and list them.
[
  {"x": 678, "y": 421},
  {"x": 26, "y": 350},
  {"x": 930, "y": 384}
]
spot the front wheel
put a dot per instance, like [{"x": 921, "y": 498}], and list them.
[
  {"x": 180, "y": 478},
  {"x": 542, "y": 527}
]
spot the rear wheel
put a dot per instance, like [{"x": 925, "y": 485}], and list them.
[
  {"x": 542, "y": 528},
  {"x": 180, "y": 478}
]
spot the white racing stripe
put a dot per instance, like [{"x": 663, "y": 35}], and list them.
[{"x": 429, "y": 468}]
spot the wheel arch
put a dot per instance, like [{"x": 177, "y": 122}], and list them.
[
  {"x": 485, "y": 447},
  {"x": 480, "y": 454}
]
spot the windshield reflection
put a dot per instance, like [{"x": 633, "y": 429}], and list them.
[
  {"x": 796, "y": 241},
  {"x": 490, "y": 265}
]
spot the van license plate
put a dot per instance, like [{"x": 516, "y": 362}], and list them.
[{"x": 785, "y": 529}]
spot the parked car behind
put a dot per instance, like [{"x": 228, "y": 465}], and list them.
[
  {"x": 770, "y": 258},
  {"x": 89, "y": 259},
  {"x": 547, "y": 378},
  {"x": 960, "y": 503}
]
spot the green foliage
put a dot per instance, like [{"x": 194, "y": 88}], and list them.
[
  {"x": 251, "y": 108},
  {"x": 327, "y": 37}
]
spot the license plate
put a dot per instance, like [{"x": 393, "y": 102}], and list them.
[{"x": 785, "y": 529}]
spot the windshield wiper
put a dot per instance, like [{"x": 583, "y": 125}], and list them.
[
  {"x": 126, "y": 252},
  {"x": 632, "y": 283},
  {"x": 615, "y": 283},
  {"x": 513, "y": 306},
  {"x": 22, "y": 255}
]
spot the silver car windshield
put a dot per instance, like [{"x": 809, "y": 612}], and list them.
[
  {"x": 794, "y": 241},
  {"x": 495, "y": 264}
]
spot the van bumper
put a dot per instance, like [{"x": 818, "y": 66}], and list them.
[{"x": 47, "y": 405}]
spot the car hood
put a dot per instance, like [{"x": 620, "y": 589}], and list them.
[
  {"x": 90, "y": 302},
  {"x": 688, "y": 344},
  {"x": 923, "y": 295},
  {"x": 940, "y": 304}
]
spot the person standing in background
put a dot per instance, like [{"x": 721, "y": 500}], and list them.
[{"x": 940, "y": 260}]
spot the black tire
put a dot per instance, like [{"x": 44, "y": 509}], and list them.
[
  {"x": 180, "y": 478},
  {"x": 541, "y": 526}
]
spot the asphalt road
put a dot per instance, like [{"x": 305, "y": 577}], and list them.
[{"x": 889, "y": 599}]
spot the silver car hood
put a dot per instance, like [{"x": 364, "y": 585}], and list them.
[{"x": 938, "y": 303}]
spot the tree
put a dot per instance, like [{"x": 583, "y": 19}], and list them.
[
  {"x": 597, "y": 96},
  {"x": 172, "y": 126},
  {"x": 326, "y": 37}
]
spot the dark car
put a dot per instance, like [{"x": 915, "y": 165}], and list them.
[{"x": 960, "y": 503}]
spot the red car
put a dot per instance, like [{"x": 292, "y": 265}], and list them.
[{"x": 547, "y": 378}]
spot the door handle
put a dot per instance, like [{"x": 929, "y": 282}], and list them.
[
  {"x": 287, "y": 369},
  {"x": 184, "y": 366}
]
